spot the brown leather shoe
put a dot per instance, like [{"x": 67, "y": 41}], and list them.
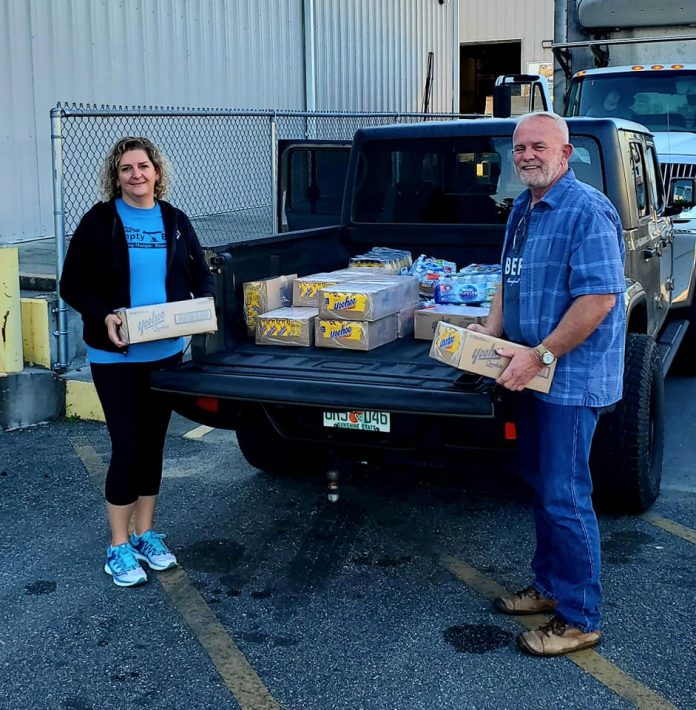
[
  {"x": 525, "y": 601},
  {"x": 556, "y": 638}
]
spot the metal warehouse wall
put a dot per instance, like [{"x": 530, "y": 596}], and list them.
[
  {"x": 372, "y": 54},
  {"x": 245, "y": 53},
  {"x": 369, "y": 55},
  {"x": 530, "y": 21},
  {"x": 135, "y": 52}
]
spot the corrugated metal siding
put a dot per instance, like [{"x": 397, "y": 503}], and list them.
[
  {"x": 371, "y": 55},
  {"x": 246, "y": 53},
  {"x": 19, "y": 206},
  {"x": 530, "y": 21}
]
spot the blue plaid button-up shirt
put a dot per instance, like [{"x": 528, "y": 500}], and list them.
[{"x": 574, "y": 247}]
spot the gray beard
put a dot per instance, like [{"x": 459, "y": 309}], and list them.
[{"x": 544, "y": 177}]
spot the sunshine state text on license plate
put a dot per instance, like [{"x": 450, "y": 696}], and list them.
[{"x": 363, "y": 420}]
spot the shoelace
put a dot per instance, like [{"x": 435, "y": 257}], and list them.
[
  {"x": 152, "y": 544},
  {"x": 122, "y": 559},
  {"x": 556, "y": 626}
]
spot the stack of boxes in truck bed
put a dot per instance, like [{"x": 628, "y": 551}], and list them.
[
  {"x": 362, "y": 315},
  {"x": 354, "y": 308},
  {"x": 372, "y": 302}
]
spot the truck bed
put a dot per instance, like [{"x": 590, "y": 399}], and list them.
[{"x": 397, "y": 377}]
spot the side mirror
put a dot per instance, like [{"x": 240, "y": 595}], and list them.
[
  {"x": 682, "y": 195},
  {"x": 502, "y": 100}
]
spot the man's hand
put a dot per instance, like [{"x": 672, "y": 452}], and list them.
[
  {"x": 112, "y": 321},
  {"x": 523, "y": 366}
]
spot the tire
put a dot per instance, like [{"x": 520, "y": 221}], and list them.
[
  {"x": 266, "y": 449},
  {"x": 628, "y": 448}
]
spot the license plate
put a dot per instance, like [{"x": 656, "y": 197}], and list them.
[{"x": 359, "y": 419}]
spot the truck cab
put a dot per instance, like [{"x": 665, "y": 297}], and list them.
[{"x": 660, "y": 97}]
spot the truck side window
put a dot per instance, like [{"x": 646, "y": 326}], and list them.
[
  {"x": 315, "y": 180},
  {"x": 638, "y": 170},
  {"x": 657, "y": 193}
]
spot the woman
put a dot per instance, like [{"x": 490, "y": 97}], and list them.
[{"x": 133, "y": 249}]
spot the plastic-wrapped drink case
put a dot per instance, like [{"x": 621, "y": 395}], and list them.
[
  {"x": 266, "y": 295},
  {"x": 355, "y": 335},
  {"x": 286, "y": 326}
]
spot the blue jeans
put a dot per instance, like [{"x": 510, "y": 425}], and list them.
[{"x": 554, "y": 449}]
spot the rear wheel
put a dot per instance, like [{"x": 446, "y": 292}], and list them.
[
  {"x": 628, "y": 447},
  {"x": 265, "y": 448}
]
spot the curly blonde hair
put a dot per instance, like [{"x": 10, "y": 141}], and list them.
[{"x": 108, "y": 175}]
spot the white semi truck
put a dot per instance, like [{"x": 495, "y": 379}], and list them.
[{"x": 631, "y": 59}]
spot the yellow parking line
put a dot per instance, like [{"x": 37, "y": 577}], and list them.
[
  {"x": 589, "y": 660},
  {"x": 198, "y": 433},
  {"x": 90, "y": 458},
  {"x": 239, "y": 677},
  {"x": 670, "y": 526}
]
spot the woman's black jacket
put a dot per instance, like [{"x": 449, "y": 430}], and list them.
[{"x": 96, "y": 274}]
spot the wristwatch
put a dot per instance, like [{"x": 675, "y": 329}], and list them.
[{"x": 546, "y": 356}]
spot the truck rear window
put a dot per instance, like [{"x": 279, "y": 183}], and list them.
[{"x": 464, "y": 180}]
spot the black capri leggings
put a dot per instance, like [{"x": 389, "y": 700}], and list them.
[{"x": 137, "y": 419}]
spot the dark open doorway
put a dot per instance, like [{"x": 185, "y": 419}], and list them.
[{"x": 479, "y": 65}]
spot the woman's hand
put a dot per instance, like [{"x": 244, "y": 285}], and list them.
[{"x": 112, "y": 321}]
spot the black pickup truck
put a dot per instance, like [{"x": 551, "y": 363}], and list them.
[{"x": 445, "y": 190}]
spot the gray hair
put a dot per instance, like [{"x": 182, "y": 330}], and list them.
[
  {"x": 560, "y": 122},
  {"x": 108, "y": 175}
]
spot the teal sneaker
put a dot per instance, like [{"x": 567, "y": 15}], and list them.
[
  {"x": 150, "y": 548},
  {"x": 123, "y": 567}
]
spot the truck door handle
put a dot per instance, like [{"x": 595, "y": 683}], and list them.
[{"x": 650, "y": 253}]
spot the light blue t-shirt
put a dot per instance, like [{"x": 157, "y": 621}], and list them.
[{"x": 147, "y": 256}]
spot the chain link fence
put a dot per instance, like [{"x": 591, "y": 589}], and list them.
[
  {"x": 224, "y": 165},
  {"x": 224, "y": 162}
]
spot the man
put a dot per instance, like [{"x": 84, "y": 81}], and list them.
[
  {"x": 563, "y": 280},
  {"x": 614, "y": 105}
]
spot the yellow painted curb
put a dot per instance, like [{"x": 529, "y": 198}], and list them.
[
  {"x": 10, "y": 318},
  {"x": 81, "y": 401},
  {"x": 36, "y": 331}
]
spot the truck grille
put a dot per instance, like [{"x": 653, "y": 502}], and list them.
[{"x": 676, "y": 170}]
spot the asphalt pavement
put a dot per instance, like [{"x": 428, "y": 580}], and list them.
[{"x": 381, "y": 600}]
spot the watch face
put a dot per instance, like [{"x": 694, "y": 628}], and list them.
[{"x": 547, "y": 358}]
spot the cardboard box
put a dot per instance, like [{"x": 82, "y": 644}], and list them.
[
  {"x": 426, "y": 319},
  {"x": 369, "y": 300},
  {"x": 167, "y": 320},
  {"x": 359, "y": 271},
  {"x": 476, "y": 353},
  {"x": 286, "y": 326},
  {"x": 266, "y": 295},
  {"x": 306, "y": 289},
  {"x": 355, "y": 335}
]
